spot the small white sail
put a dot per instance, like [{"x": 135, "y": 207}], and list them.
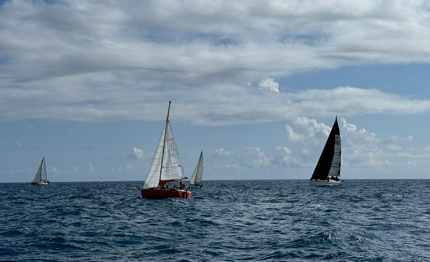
[
  {"x": 196, "y": 178},
  {"x": 41, "y": 175}
]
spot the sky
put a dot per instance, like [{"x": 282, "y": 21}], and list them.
[{"x": 255, "y": 85}]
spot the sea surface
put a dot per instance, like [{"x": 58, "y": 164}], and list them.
[{"x": 271, "y": 220}]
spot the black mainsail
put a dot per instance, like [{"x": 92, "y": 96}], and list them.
[{"x": 329, "y": 162}]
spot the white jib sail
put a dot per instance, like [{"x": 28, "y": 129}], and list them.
[
  {"x": 153, "y": 177},
  {"x": 172, "y": 169},
  {"x": 335, "y": 164},
  {"x": 198, "y": 172}
]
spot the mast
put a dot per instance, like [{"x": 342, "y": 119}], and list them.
[{"x": 164, "y": 141}]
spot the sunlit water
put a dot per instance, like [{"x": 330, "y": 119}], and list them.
[{"x": 285, "y": 220}]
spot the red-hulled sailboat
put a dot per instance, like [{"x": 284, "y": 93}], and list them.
[{"x": 165, "y": 167}]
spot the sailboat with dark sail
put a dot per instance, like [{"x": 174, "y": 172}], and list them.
[
  {"x": 165, "y": 167},
  {"x": 41, "y": 176},
  {"x": 327, "y": 171},
  {"x": 196, "y": 178}
]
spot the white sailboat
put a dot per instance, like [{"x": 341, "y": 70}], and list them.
[
  {"x": 165, "y": 167},
  {"x": 327, "y": 171},
  {"x": 196, "y": 178},
  {"x": 41, "y": 176}
]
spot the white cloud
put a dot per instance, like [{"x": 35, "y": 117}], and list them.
[
  {"x": 310, "y": 131},
  {"x": 258, "y": 157},
  {"x": 269, "y": 85},
  {"x": 18, "y": 144},
  {"x": 137, "y": 154},
  {"x": 283, "y": 158},
  {"x": 221, "y": 152},
  {"x": 128, "y": 166},
  {"x": 107, "y": 61},
  {"x": 393, "y": 147},
  {"x": 54, "y": 169}
]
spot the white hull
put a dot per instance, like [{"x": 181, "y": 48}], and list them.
[
  {"x": 41, "y": 183},
  {"x": 315, "y": 182}
]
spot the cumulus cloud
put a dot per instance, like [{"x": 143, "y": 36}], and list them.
[
  {"x": 137, "y": 154},
  {"x": 109, "y": 61},
  {"x": 310, "y": 130},
  {"x": 284, "y": 158},
  {"x": 221, "y": 152},
  {"x": 259, "y": 159},
  {"x": 269, "y": 85}
]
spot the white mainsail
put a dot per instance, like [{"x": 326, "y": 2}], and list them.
[
  {"x": 196, "y": 178},
  {"x": 165, "y": 165},
  {"x": 41, "y": 174}
]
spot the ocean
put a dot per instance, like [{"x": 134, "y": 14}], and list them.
[{"x": 269, "y": 220}]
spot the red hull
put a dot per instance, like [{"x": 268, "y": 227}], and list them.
[{"x": 164, "y": 193}]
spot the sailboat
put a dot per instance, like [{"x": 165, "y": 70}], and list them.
[
  {"x": 41, "y": 176},
  {"x": 196, "y": 178},
  {"x": 327, "y": 171},
  {"x": 165, "y": 167}
]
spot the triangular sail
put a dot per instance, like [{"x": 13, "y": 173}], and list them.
[
  {"x": 330, "y": 159},
  {"x": 41, "y": 174},
  {"x": 172, "y": 169},
  {"x": 153, "y": 177},
  {"x": 198, "y": 172},
  {"x": 165, "y": 165}
]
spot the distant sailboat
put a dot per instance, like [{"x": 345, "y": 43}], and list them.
[
  {"x": 196, "y": 178},
  {"x": 327, "y": 171},
  {"x": 41, "y": 176},
  {"x": 165, "y": 167}
]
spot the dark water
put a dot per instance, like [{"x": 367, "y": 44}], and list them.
[{"x": 286, "y": 220}]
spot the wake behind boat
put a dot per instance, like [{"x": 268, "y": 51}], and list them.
[
  {"x": 196, "y": 178},
  {"x": 41, "y": 176},
  {"x": 165, "y": 167},
  {"x": 327, "y": 171}
]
